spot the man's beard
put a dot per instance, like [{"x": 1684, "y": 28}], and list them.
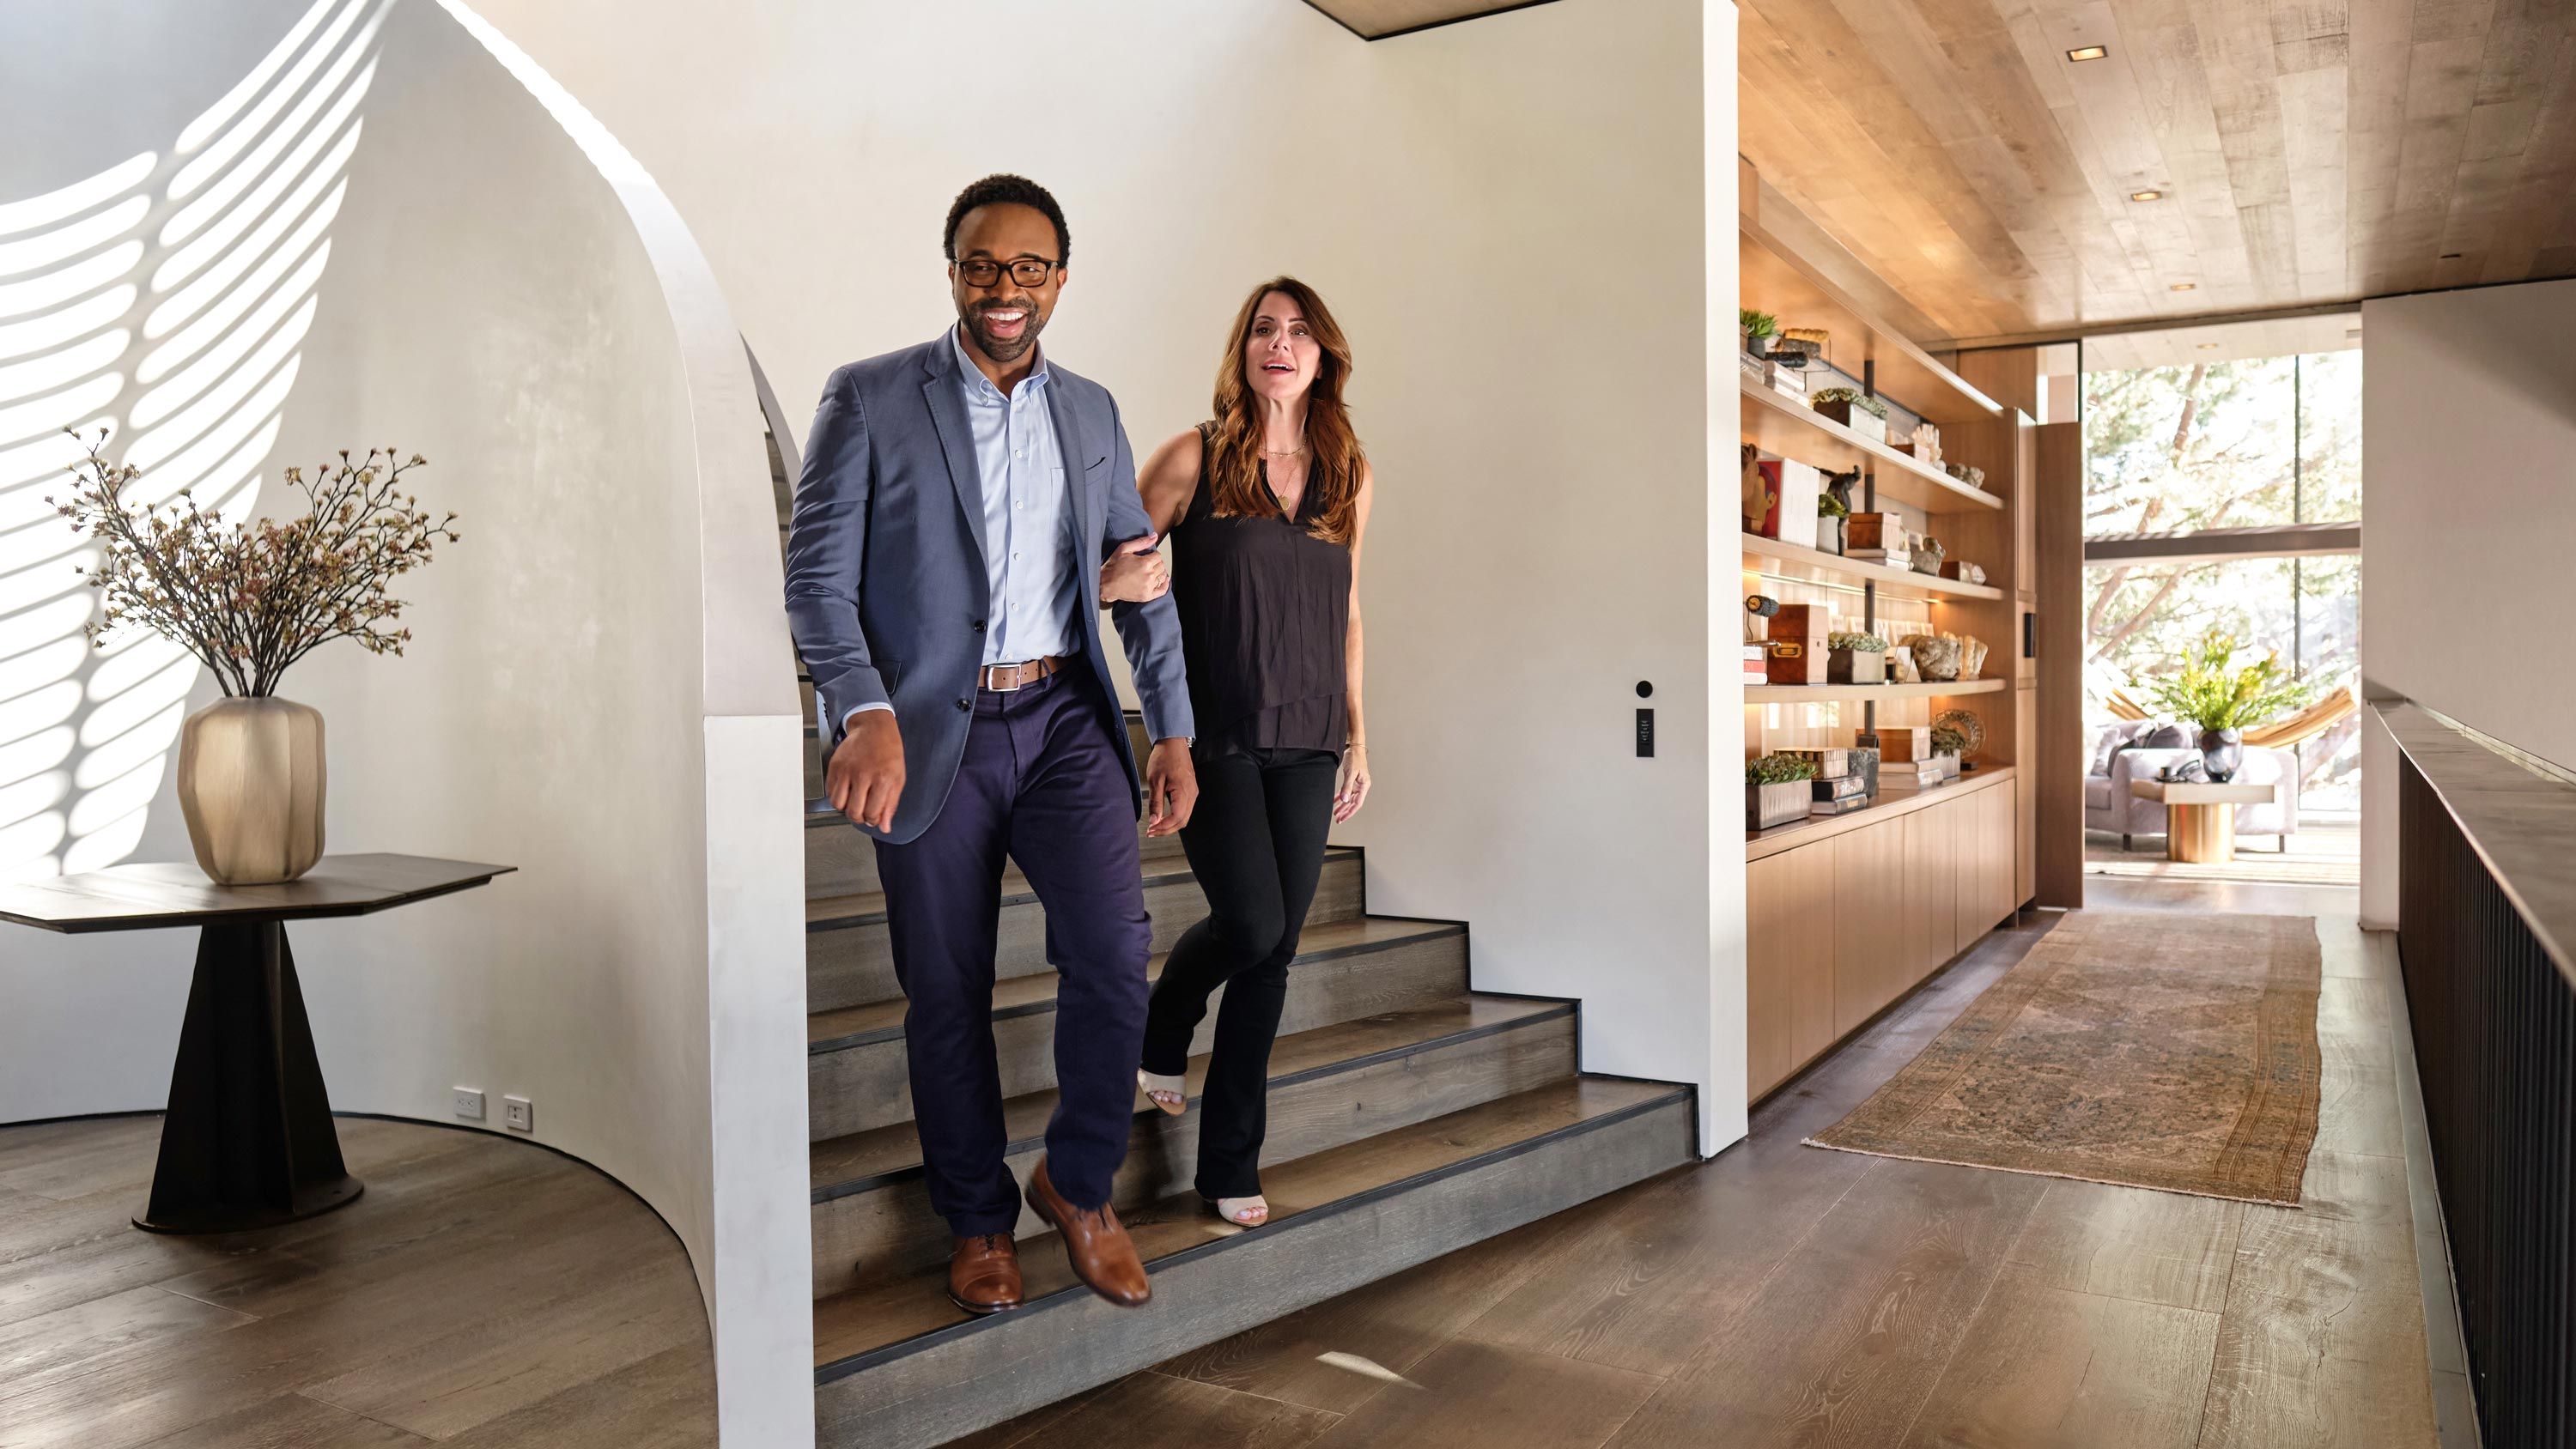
[{"x": 998, "y": 349}]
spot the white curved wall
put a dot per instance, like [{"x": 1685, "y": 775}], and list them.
[{"x": 598, "y": 691}]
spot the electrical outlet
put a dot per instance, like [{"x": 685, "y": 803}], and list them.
[
  {"x": 469, "y": 1104},
  {"x": 519, "y": 1114}
]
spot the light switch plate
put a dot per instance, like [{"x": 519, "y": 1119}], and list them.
[
  {"x": 469, "y": 1104},
  {"x": 519, "y": 1114}
]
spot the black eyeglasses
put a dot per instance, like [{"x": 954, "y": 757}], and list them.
[{"x": 1027, "y": 271}]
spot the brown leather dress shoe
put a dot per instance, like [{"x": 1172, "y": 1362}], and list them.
[
  {"x": 1103, "y": 1257},
  {"x": 984, "y": 1273}
]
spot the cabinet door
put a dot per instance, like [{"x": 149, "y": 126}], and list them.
[
  {"x": 1788, "y": 965},
  {"x": 1869, "y": 921},
  {"x": 1985, "y": 860},
  {"x": 1931, "y": 888}
]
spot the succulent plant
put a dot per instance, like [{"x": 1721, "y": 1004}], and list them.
[
  {"x": 1828, "y": 506},
  {"x": 1778, "y": 769},
  {"x": 1756, "y": 324},
  {"x": 1852, "y": 395},
  {"x": 1947, "y": 740},
  {"x": 1858, "y": 643}
]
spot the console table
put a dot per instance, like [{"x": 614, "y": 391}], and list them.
[
  {"x": 248, "y": 1141},
  {"x": 2200, "y": 816}
]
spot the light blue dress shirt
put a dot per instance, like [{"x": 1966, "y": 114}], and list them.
[{"x": 1031, "y": 575}]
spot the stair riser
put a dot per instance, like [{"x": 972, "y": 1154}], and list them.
[
  {"x": 841, "y": 860},
  {"x": 1025, "y": 1361},
  {"x": 891, "y": 1229},
  {"x": 866, "y": 1086},
  {"x": 854, "y": 964}
]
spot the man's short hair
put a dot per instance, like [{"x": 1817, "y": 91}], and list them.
[{"x": 1002, "y": 188}]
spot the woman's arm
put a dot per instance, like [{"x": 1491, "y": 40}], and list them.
[
  {"x": 1138, "y": 575},
  {"x": 1354, "y": 789}
]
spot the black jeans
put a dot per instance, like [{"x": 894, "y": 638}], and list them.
[{"x": 1256, "y": 843}]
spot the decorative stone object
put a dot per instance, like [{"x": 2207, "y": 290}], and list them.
[
  {"x": 1901, "y": 666},
  {"x": 1936, "y": 655},
  {"x": 1927, "y": 556},
  {"x": 1972, "y": 657},
  {"x": 250, "y": 786}
]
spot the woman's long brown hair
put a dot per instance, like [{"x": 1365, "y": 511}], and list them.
[{"x": 1334, "y": 458}]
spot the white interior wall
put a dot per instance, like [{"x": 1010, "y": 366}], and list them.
[
  {"x": 2468, "y": 494},
  {"x": 1509, "y": 216},
  {"x": 598, "y": 691}
]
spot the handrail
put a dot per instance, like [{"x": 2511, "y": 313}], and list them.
[{"x": 2516, "y": 810}]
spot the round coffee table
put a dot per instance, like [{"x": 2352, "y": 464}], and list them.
[{"x": 2200, "y": 816}]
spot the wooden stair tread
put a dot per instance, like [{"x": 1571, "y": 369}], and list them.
[
  {"x": 1019, "y": 995},
  {"x": 868, "y": 907},
  {"x": 867, "y": 1320},
  {"x": 859, "y": 1160}
]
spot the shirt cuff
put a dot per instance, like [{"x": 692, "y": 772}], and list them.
[{"x": 862, "y": 709}]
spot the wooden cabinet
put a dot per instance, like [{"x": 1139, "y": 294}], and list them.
[
  {"x": 1789, "y": 964},
  {"x": 1869, "y": 922},
  {"x": 1931, "y": 887},
  {"x": 1837, "y": 928}
]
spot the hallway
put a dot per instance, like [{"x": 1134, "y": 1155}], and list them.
[{"x": 1785, "y": 1295}]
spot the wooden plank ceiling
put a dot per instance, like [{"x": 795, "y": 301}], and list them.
[{"x": 2306, "y": 151}]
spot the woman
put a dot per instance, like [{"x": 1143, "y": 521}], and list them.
[{"x": 1266, "y": 506}]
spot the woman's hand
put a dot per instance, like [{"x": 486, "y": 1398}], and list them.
[
  {"x": 1353, "y": 790},
  {"x": 1136, "y": 574}
]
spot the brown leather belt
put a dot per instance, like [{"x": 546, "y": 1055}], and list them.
[{"x": 1004, "y": 678}]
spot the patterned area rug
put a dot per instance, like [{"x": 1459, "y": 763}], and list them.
[{"x": 2164, "y": 1051}]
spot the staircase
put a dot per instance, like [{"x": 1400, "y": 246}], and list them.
[{"x": 1409, "y": 1116}]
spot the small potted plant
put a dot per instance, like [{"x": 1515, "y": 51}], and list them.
[
  {"x": 1754, "y": 329},
  {"x": 1776, "y": 790},
  {"x": 2212, "y": 694},
  {"x": 1830, "y": 514},
  {"x": 1948, "y": 744},
  {"x": 1853, "y": 409},
  {"x": 1856, "y": 659},
  {"x": 249, "y": 599}
]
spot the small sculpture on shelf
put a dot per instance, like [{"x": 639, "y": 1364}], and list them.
[
  {"x": 1927, "y": 556},
  {"x": 1830, "y": 515},
  {"x": 1965, "y": 731},
  {"x": 1968, "y": 473},
  {"x": 1972, "y": 657},
  {"x": 1840, "y": 485},
  {"x": 1758, "y": 497},
  {"x": 1936, "y": 655}
]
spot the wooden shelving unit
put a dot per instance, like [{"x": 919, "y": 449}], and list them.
[
  {"x": 1771, "y": 278},
  {"x": 1834, "y": 693},
  {"x": 1759, "y": 844},
  {"x": 1793, "y": 430},
  {"x": 1808, "y": 565}
]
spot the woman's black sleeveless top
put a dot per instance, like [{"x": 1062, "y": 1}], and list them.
[{"x": 1265, "y": 612}]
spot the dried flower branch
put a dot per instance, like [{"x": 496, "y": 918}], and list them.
[{"x": 252, "y": 599}]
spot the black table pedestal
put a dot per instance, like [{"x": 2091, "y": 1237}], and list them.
[{"x": 249, "y": 1141}]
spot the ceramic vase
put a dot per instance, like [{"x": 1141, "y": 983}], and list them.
[
  {"x": 2221, "y": 751},
  {"x": 250, "y": 786}
]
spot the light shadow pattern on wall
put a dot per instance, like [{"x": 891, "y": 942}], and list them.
[{"x": 166, "y": 298}]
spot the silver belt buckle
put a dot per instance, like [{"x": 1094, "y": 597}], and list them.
[{"x": 1017, "y": 684}]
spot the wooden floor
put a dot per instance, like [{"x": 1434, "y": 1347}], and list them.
[
  {"x": 1784, "y": 1295},
  {"x": 2323, "y": 851},
  {"x": 482, "y": 1293}
]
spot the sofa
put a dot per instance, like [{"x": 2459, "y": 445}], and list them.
[{"x": 2137, "y": 749}]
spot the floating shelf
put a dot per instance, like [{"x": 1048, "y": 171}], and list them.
[
  {"x": 1794, "y": 430},
  {"x": 1771, "y": 278},
  {"x": 1843, "y": 693},
  {"x": 1815, "y": 566}
]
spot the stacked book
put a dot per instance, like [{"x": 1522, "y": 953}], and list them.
[
  {"x": 1904, "y": 775},
  {"x": 1757, "y": 670},
  {"x": 1846, "y": 779},
  {"x": 1839, "y": 796}
]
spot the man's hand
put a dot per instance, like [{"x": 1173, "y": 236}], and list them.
[
  {"x": 1135, "y": 574},
  {"x": 864, "y": 778},
  {"x": 1171, "y": 787}
]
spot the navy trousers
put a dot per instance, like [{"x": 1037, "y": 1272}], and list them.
[{"x": 1041, "y": 783}]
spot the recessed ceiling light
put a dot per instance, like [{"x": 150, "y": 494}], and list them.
[
  {"x": 2146, "y": 196},
  {"x": 2450, "y": 256},
  {"x": 2186, "y": 286},
  {"x": 2209, "y": 347},
  {"x": 2087, "y": 52}
]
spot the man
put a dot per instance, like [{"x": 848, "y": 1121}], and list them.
[{"x": 957, "y": 502}]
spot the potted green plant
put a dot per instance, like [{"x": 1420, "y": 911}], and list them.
[
  {"x": 1753, "y": 329},
  {"x": 1856, "y": 659},
  {"x": 1776, "y": 790},
  {"x": 1831, "y": 512},
  {"x": 249, "y": 599},
  {"x": 1948, "y": 744},
  {"x": 1853, "y": 409},
  {"x": 2218, "y": 698}
]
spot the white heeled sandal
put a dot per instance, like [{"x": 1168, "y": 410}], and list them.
[
  {"x": 1169, "y": 1093},
  {"x": 1243, "y": 1212}
]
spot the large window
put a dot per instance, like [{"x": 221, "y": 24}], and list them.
[{"x": 2254, "y": 443}]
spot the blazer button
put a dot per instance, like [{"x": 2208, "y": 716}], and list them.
[
  {"x": 979, "y": 626},
  {"x": 965, "y": 704}
]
